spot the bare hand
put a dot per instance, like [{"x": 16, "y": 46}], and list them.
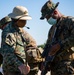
[{"x": 25, "y": 69}]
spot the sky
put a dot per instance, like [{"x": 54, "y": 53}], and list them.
[{"x": 38, "y": 28}]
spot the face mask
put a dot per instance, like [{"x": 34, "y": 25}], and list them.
[{"x": 52, "y": 21}]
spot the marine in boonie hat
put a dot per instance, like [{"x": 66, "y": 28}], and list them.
[
  {"x": 4, "y": 21},
  {"x": 20, "y": 12},
  {"x": 48, "y": 8}
]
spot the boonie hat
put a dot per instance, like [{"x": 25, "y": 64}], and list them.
[
  {"x": 4, "y": 20},
  {"x": 48, "y": 8},
  {"x": 20, "y": 12}
]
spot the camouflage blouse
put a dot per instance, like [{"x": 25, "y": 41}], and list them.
[
  {"x": 65, "y": 35},
  {"x": 13, "y": 44}
]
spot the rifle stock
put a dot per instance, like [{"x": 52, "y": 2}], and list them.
[
  {"x": 44, "y": 71},
  {"x": 47, "y": 62}
]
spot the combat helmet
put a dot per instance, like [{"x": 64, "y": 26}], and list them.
[
  {"x": 4, "y": 21},
  {"x": 48, "y": 8}
]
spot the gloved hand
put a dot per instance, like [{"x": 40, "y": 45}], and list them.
[
  {"x": 25, "y": 69},
  {"x": 54, "y": 49}
]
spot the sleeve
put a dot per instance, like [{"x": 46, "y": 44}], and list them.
[
  {"x": 69, "y": 41},
  {"x": 30, "y": 40},
  {"x": 8, "y": 46}
]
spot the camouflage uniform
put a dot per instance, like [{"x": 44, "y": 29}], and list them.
[
  {"x": 34, "y": 67},
  {"x": 63, "y": 63},
  {"x": 13, "y": 48},
  {"x": 4, "y": 21}
]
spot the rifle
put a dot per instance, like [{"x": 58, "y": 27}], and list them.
[{"x": 49, "y": 59}]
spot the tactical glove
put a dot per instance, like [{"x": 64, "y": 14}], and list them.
[{"x": 54, "y": 49}]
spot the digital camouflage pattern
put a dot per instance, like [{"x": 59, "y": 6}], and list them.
[
  {"x": 34, "y": 67},
  {"x": 4, "y": 21},
  {"x": 63, "y": 63},
  {"x": 9, "y": 47},
  {"x": 12, "y": 47},
  {"x": 29, "y": 39},
  {"x": 48, "y": 8}
]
